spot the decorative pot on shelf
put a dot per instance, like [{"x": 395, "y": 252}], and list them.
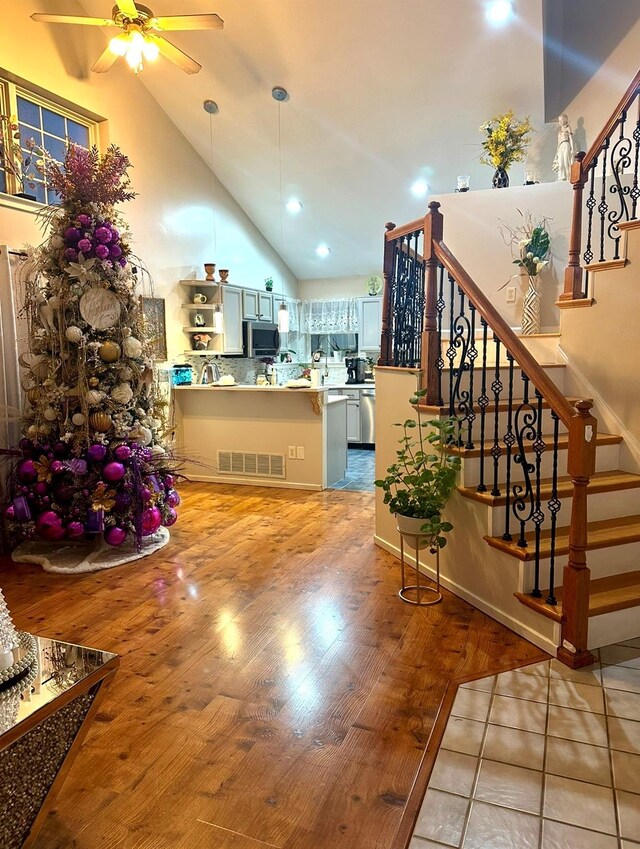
[
  {"x": 200, "y": 341},
  {"x": 531, "y": 309},
  {"x": 501, "y": 179},
  {"x": 224, "y": 275},
  {"x": 209, "y": 270},
  {"x": 410, "y": 528}
]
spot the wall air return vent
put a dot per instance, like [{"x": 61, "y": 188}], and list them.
[{"x": 250, "y": 464}]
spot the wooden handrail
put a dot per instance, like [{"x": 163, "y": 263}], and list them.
[
  {"x": 404, "y": 229},
  {"x": 608, "y": 128},
  {"x": 550, "y": 392}
]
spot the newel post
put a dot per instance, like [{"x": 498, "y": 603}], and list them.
[
  {"x": 433, "y": 230},
  {"x": 574, "y": 273},
  {"x": 386, "y": 352},
  {"x": 581, "y": 465}
]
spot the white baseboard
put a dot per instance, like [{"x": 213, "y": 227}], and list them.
[{"x": 538, "y": 639}]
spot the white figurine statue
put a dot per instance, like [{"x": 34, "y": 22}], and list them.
[{"x": 566, "y": 149}]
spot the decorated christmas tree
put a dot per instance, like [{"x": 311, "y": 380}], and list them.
[{"x": 93, "y": 461}]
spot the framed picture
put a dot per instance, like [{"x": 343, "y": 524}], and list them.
[{"x": 154, "y": 326}]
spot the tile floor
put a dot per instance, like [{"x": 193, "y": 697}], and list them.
[
  {"x": 540, "y": 758},
  {"x": 361, "y": 471}
]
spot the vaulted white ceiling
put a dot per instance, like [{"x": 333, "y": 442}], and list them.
[{"x": 382, "y": 92}]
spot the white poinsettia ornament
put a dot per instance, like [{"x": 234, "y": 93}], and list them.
[{"x": 8, "y": 635}]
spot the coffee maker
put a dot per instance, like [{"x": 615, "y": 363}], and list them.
[{"x": 355, "y": 369}]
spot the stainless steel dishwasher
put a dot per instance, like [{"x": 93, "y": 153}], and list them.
[{"x": 368, "y": 416}]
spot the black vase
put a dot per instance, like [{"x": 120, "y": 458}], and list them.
[{"x": 500, "y": 179}]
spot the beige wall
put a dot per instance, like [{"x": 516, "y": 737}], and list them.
[
  {"x": 171, "y": 219},
  {"x": 334, "y": 287}
]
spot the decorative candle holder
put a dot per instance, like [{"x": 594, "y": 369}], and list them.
[
  {"x": 463, "y": 183},
  {"x": 224, "y": 275}
]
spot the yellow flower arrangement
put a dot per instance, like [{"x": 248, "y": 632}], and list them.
[{"x": 506, "y": 141}]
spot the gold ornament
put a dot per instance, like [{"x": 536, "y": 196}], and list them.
[
  {"x": 109, "y": 351},
  {"x": 50, "y": 414},
  {"x": 93, "y": 382},
  {"x": 33, "y": 394},
  {"x": 78, "y": 419},
  {"x": 100, "y": 422}
]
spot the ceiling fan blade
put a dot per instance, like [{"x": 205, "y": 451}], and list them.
[
  {"x": 105, "y": 61},
  {"x": 183, "y": 22},
  {"x": 128, "y": 8},
  {"x": 175, "y": 55},
  {"x": 72, "y": 19}
]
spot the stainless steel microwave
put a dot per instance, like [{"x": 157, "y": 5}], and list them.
[{"x": 260, "y": 339}]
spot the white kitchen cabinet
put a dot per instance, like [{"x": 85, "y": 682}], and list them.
[
  {"x": 370, "y": 323},
  {"x": 257, "y": 306},
  {"x": 232, "y": 320}
]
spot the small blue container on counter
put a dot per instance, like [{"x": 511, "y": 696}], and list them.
[{"x": 181, "y": 375}]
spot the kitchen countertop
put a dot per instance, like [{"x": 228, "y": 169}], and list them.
[{"x": 250, "y": 387}]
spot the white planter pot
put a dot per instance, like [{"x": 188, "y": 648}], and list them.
[{"x": 409, "y": 527}]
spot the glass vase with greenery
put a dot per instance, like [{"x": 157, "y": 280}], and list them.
[{"x": 419, "y": 484}]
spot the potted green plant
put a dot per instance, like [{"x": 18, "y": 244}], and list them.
[
  {"x": 419, "y": 484},
  {"x": 506, "y": 141}
]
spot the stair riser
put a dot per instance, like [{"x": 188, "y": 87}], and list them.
[
  {"x": 606, "y": 459},
  {"x": 602, "y": 505},
  {"x": 614, "y": 627},
  {"x": 603, "y": 562}
]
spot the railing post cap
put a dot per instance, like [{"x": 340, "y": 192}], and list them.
[
  {"x": 580, "y": 155},
  {"x": 434, "y": 206},
  {"x": 583, "y": 406},
  {"x": 389, "y": 225}
]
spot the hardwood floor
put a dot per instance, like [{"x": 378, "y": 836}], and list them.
[{"x": 274, "y": 691}]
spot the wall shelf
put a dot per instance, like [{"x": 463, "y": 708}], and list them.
[
  {"x": 200, "y": 330},
  {"x": 204, "y": 284}
]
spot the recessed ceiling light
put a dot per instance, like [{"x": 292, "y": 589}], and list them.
[
  {"x": 499, "y": 11},
  {"x": 420, "y": 188},
  {"x": 293, "y": 206},
  {"x": 323, "y": 250}
]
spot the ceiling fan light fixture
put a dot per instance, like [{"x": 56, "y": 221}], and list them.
[
  {"x": 150, "y": 51},
  {"x": 119, "y": 45}
]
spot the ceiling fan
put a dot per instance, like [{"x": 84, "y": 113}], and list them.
[{"x": 141, "y": 36}]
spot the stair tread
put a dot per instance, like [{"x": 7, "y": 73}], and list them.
[
  {"x": 563, "y": 442},
  {"x": 503, "y": 406},
  {"x": 606, "y": 595},
  {"x": 602, "y": 534},
  {"x": 609, "y": 481}
]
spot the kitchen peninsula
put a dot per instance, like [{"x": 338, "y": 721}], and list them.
[{"x": 262, "y": 435}]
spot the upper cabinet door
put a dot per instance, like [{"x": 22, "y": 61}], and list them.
[
  {"x": 232, "y": 320},
  {"x": 250, "y": 305},
  {"x": 370, "y": 324},
  {"x": 265, "y": 307}
]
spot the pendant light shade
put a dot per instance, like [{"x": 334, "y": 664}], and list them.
[{"x": 283, "y": 318}]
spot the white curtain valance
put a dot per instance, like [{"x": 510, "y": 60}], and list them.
[{"x": 332, "y": 316}]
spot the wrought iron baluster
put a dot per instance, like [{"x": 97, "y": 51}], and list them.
[
  {"x": 496, "y": 449},
  {"x": 635, "y": 191},
  {"x": 509, "y": 441},
  {"x": 461, "y": 343},
  {"x": 591, "y": 205},
  {"x": 538, "y": 447},
  {"x": 620, "y": 160},
  {"x": 407, "y": 308},
  {"x": 523, "y": 498},
  {"x": 603, "y": 206},
  {"x": 440, "y": 304},
  {"x": 472, "y": 356},
  {"x": 483, "y": 403},
  {"x": 554, "y": 506},
  {"x": 451, "y": 351}
]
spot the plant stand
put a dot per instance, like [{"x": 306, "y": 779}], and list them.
[{"x": 418, "y": 586}]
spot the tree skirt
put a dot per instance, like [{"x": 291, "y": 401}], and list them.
[{"x": 72, "y": 558}]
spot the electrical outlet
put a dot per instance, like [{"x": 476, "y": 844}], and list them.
[
  {"x": 300, "y": 452},
  {"x": 511, "y": 294},
  {"x": 292, "y": 452}
]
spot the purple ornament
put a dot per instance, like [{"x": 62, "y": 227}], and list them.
[
  {"x": 75, "y": 530},
  {"x": 96, "y": 452},
  {"x": 64, "y": 492},
  {"x": 115, "y": 251},
  {"x": 102, "y": 251},
  {"x": 95, "y": 521},
  {"x": 78, "y": 467},
  {"x": 122, "y": 261},
  {"x": 151, "y": 521},
  {"x": 71, "y": 254},
  {"x": 172, "y": 499},
  {"x": 145, "y": 492},
  {"x": 49, "y": 526},
  {"x": 84, "y": 220},
  {"x": 41, "y": 488},
  {"x": 72, "y": 235},
  {"x": 57, "y": 466},
  {"x": 25, "y": 444},
  {"x": 115, "y": 536},
  {"x": 171, "y": 519},
  {"x": 10, "y": 513},
  {"x": 60, "y": 449},
  {"x": 113, "y": 471},
  {"x": 169, "y": 481},
  {"x": 84, "y": 245},
  {"x": 123, "y": 452},
  {"x": 123, "y": 502},
  {"x": 26, "y": 471},
  {"x": 21, "y": 508},
  {"x": 103, "y": 234},
  {"x": 115, "y": 234}
]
